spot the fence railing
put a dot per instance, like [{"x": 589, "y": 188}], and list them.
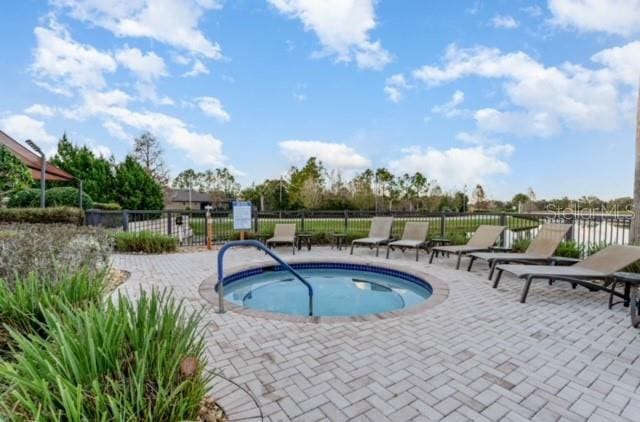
[{"x": 191, "y": 226}]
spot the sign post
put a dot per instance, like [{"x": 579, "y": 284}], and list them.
[{"x": 242, "y": 216}]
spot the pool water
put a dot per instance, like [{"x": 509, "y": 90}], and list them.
[{"x": 336, "y": 292}]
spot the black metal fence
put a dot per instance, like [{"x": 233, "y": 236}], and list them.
[{"x": 191, "y": 226}]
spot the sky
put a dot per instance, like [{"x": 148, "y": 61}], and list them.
[{"x": 506, "y": 93}]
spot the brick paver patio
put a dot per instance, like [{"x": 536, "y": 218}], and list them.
[{"x": 480, "y": 355}]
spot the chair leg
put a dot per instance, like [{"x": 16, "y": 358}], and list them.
[
  {"x": 458, "y": 263},
  {"x": 495, "y": 283},
  {"x": 471, "y": 260},
  {"x": 417, "y": 254},
  {"x": 293, "y": 248},
  {"x": 433, "y": 252},
  {"x": 388, "y": 248},
  {"x": 352, "y": 245},
  {"x": 377, "y": 249},
  {"x": 492, "y": 268},
  {"x": 525, "y": 289}
]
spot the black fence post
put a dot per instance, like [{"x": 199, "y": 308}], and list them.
[
  {"x": 169, "y": 223},
  {"x": 302, "y": 221},
  {"x": 503, "y": 222},
  {"x": 125, "y": 221},
  {"x": 442, "y": 222},
  {"x": 255, "y": 222},
  {"x": 346, "y": 221}
]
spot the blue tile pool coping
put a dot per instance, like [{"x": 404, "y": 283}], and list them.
[{"x": 331, "y": 266}]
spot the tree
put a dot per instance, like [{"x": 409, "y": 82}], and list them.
[
  {"x": 136, "y": 189},
  {"x": 479, "y": 198},
  {"x": 148, "y": 153},
  {"x": 189, "y": 179},
  {"x": 634, "y": 235},
  {"x": 269, "y": 195},
  {"x": 309, "y": 178},
  {"x": 14, "y": 175},
  {"x": 361, "y": 187},
  {"x": 96, "y": 173},
  {"x": 384, "y": 178},
  {"x": 519, "y": 199}
]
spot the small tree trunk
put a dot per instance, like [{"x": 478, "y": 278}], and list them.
[{"x": 634, "y": 235}]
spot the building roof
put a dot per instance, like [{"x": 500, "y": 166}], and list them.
[
  {"x": 32, "y": 161},
  {"x": 182, "y": 195}
]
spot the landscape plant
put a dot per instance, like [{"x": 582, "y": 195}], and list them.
[
  {"x": 145, "y": 241},
  {"x": 51, "y": 250},
  {"x": 60, "y": 215},
  {"x": 119, "y": 361},
  {"x": 24, "y": 300}
]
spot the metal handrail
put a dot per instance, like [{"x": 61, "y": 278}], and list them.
[{"x": 258, "y": 245}]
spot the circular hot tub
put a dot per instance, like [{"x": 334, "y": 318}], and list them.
[{"x": 331, "y": 290}]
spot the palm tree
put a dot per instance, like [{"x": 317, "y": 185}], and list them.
[{"x": 634, "y": 235}]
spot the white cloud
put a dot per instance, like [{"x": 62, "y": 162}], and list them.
[
  {"x": 40, "y": 110},
  {"x": 504, "y": 21},
  {"x": 197, "y": 69},
  {"x": 147, "y": 67},
  {"x": 621, "y": 17},
  {"x": 202, "y": 148},
  {"x": 173, "y": 22},
  {"x": 342, "y": 26},
  {"x": 395, "y": 87},
  {"x": 67, "y": 63},
  {"x": 450, "y": 108},
  {"x": 212, "y": 106},
  {"x": 455, "y": 167},
  {"x": 116, "y": 130},
  {"x": 23, "y": 127},
  {"x": 534, "y": 11},
  {"x": 623, "y": 62},
  {"x": 102, "y": 151},
  {"x": 547, "y": 99},
  {"x": 333, "y": 155}
]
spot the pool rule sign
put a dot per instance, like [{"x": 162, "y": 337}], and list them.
[{"x": 242, "y": 216}]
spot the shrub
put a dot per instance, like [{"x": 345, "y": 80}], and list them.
[
  {"x": 51, "y": 251},
  {"x": 62, "y": 215},
  {"x": 67, "y": 197},
  {"x": 107, "y": 206},
  {"x": 125, "y": 361},
  {"x": 569, "y": 249},
  {"x": 521, "y": 245},
  {"x": 25, "y": 199},
  {"x": 145, "y": 241},
  {"x": 22, "y": 303}
]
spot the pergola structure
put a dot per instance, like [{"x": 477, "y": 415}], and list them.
[{"x": 33, "y": 162}]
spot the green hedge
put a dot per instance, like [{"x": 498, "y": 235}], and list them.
[
  {"x": 107, "y": 206},
  {"x": 67, "y": 197},
  {"x": 61, "y": 215},
  {"x": 54, "y": 197},
  {"x": 145, "y": 241},
  {"x": 25, "y": 199}
]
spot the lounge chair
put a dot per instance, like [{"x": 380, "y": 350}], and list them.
[
  {"x": 482, "y": 240},
  {"x": 599, "y": 266},
  {"x": 414, "y": 236},
  {"x": 379, "y": 234},
  {"x": 540, "y": 251},
  {"x": 283, "y": 234}
]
